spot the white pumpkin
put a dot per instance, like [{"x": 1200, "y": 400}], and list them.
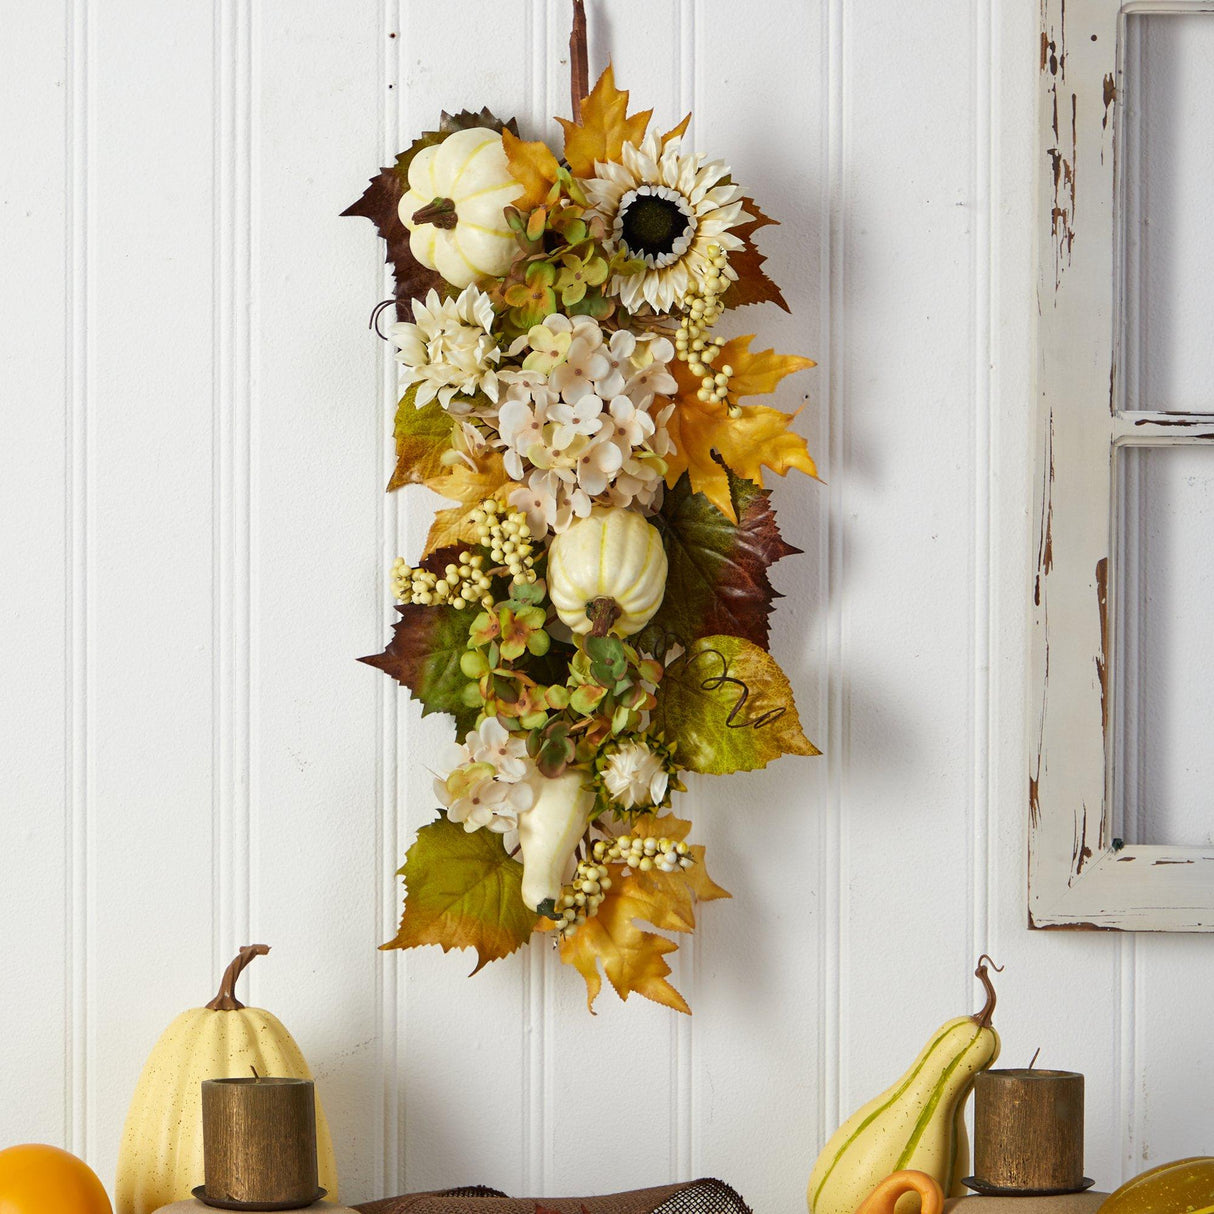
[
  {"x": 160, "y": 1159},
  {"x": 613, "y": 564},
  {"x": 460, "y": 187},
  {"x": 549, "y": 831}
]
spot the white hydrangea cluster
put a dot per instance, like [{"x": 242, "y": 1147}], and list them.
[
  {"x": 449, "y": 350},
  {"x": 576, "y": 424},
  {"x": 488, "y": 781}
]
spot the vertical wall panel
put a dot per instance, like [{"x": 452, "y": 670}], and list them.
[
  {"x": 35, "y": 557},
  {"x": 466, "y": 1044},
  {"x": 314, "y": 383},
  {"x": 908, "y": 324},
  {"x": 758, "y": 999},
  {"x": 149, "y": 627}
]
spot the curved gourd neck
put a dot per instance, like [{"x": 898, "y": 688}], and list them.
[{"x": 983, "y": 1018}]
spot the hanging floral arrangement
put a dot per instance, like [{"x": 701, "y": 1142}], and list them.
[{"x": 593, "y": 607}]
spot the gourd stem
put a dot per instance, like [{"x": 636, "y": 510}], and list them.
[
  {"x": 983, "y": 1018},
  {"x": 225, "y": 999},
  {"x": 579, "y": 67},
  {"x": 603, "y": 613},
  {"x": 438, "y": 211}
]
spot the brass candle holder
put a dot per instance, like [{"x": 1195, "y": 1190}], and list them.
[
  {"x": 259, "y": 1144},
  {"x": 1028, "y": 1134}
]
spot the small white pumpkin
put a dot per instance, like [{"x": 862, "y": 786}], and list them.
[
  {"x": 607, "y": 572},
  {"x": 549, "y": 831},
  {"x": 453, "y": 207}
]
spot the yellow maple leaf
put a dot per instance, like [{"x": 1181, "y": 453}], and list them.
[
  {"x": 470, "y": 486},
  {"x": 759, "y": 437},
  {"x": 633, "y": 958},
  {"x": 604, "y": 129},
  {"x": 533, "y": 166}
]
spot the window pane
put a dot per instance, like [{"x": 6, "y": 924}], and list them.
[
  {"x": 1163, "y": 782},
  {"x": 1168, "y": 205}
]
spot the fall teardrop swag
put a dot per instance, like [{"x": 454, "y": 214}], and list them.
[{"x": 593, "y": 608}]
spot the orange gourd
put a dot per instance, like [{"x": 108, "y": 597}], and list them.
[
  {"x": 886, "y": 1195},
  {"x": 38, "y": 1179}
]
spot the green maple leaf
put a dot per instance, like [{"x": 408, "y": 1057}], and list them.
[
  {"x": 380, "y": 200},
  {"x": 717, "y": 577},
  {"x": 424, "y": 655},
  {"x": 422, "y": 436},
  {"x": 463, "y": 891},
  {"x": 729, "y": 707}
]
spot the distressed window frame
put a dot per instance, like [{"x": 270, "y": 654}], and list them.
[{"x": 1079, "y": 875}]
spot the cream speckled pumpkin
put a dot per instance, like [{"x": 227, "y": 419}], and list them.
[
  {"x": 462, "y": 184},
  {"x": 160, "y": 1159},
  {"x": 614, "y": 559}
]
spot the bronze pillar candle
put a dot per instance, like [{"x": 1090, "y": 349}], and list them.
[
  {"x": 1028, "y": 1132},
  {"x": 259, "y": 1143}
]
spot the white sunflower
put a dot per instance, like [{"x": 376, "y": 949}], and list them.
[{"x": 664, "y": 207}]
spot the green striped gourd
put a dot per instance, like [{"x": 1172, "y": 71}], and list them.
[{"x": 918, "y": 1123}]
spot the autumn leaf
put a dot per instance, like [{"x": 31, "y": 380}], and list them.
[
  {"x": 381, "y": 199},
  {"x": 604, "y": 129},
  {"x": 422, "y": 436},
  {"x": 632, "y": 957},
  {"x": 424, "y": 655},
  {"x": 453, "y": 526},
  {"x": 716, "y": 580},
  {"x": 758, "y": 437},
  {"x": 752, "y": 284},
  {"x": 533, "y": 166},
  {"x": 729, "y": 707},
  {"x": 469, "y": 485},
  {"x": 462, "y": 890}
]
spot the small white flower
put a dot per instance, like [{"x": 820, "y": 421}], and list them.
[
  {"x": 618, "y": 353},
  {"x": 449, "y": 350},
  {"x": 584, "y": 364},
  {"x": 630, "y": 426},
  {"x": 494, "y": 744},
  {"x": 585, "y": 417},
  {"x": 635, "y": 777},
  {"x": 597, "y": 467},
  {"x": 650, "y": 381}
]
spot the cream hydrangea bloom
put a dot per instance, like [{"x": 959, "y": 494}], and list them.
[
  {"x": 664, "y": 207},
  {"x": 635, "y": 777},
  {"x": 449, "y": 350},
  {"x": 488, "y": 780}
]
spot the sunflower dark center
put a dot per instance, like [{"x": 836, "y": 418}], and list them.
[{"x": 651, "y": 225}]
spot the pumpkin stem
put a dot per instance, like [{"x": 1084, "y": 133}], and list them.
[
  {"x": 579, "y": 68},
  {"x": 983, "y": 1018},
  {"x": 225, "y": 1000},
  {"x": 438, "y": 211},
  {"x": 603, "y": 613}
]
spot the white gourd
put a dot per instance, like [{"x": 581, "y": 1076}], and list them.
[
  {"x": 160, "y": 1159},
  {"x": 468, "y": 177},
  {"x": 549, "y": 831},
  {"x": 613, "y": 556}
]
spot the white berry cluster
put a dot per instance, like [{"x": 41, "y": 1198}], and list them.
[
  {"x": 701, "y": 310},
  {"x": 581, "y": 897},
  {"x": 459, "y": 585},
  {"x": 645, "y": 853},
  {"x": 507, "y": 535}
]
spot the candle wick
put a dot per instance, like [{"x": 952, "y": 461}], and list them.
[
  {"x": 1034, "y": 1058},
  {"x": 257, "y": 1076}
]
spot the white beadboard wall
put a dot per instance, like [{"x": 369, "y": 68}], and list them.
[{"x": 194, "y": 553}]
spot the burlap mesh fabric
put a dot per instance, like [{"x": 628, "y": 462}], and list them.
[{"x": 707, "y": 1196}]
